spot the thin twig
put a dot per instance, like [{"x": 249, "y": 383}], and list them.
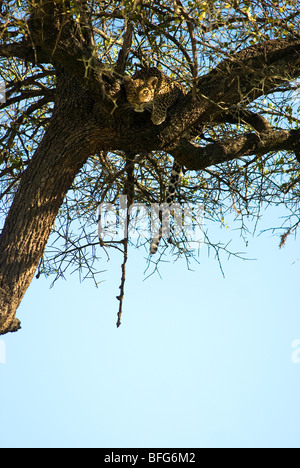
[{"x": 129, "y": 191}]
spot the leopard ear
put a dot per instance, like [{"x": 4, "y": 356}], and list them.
[{"x": 152, "y": 81}]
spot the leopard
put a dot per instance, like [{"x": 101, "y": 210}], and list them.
[{"x": 150, "y": 89}]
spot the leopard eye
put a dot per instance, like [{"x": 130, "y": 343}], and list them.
[{"x": 145, "y": 92}]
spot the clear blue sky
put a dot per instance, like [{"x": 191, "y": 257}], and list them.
[{"x": 199, "y": 361}]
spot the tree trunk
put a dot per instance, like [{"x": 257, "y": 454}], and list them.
[{"x": 63, "y": 150}]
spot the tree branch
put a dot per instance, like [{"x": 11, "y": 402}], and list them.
[
  {"x": 196, "y": 158},
  {"x": 237, "y": 81},
  {"x": 23, "y": 51},
  {"x": 123, "y": 54},
  {"x": 68, "y": 45}
]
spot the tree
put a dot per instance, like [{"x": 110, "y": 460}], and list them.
[{"x": 68, "y": 141}]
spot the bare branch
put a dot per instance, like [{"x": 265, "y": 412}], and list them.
[
  {"x": 123, "y": 54},
  {"x": 194, "y": 65}
]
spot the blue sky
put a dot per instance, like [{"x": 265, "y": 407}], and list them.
[{"x": 199, "y": 360}]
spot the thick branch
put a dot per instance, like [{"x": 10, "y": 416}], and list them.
[
  {"x": 197, "y": 158},
  {"x": 23, "y": 51},
  {"x": 68, "y": 45},
  {"x": 244, "y": 77},
  {"x": 123, "y": 54}
]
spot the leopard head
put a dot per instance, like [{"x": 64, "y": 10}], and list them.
[{"x": 140, "y": 93}]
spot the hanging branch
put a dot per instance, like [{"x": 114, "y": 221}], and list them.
[{"x": 129, "y": 192}]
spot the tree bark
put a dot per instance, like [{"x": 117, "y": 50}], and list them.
[
  {"x": 65, "y": 147},
  {"x": 197, "y": 158}
]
